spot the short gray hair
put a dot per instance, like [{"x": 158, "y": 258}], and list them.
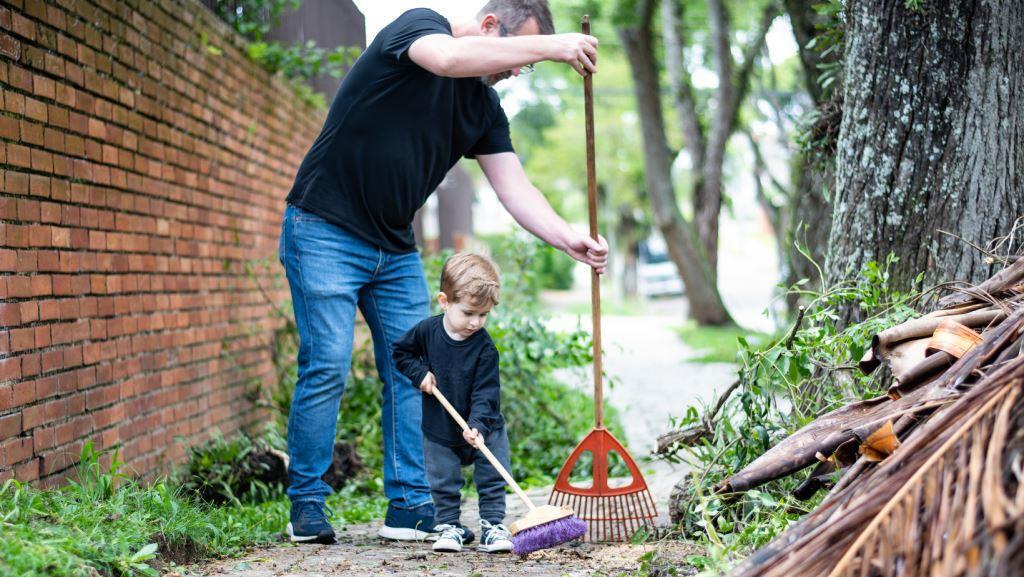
[{"x": 514, "y": 13}]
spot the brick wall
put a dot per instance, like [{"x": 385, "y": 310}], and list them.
[{"x": 143, "y": 166}]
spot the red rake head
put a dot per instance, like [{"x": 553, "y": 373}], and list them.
[{"x": 612, "y": 513}]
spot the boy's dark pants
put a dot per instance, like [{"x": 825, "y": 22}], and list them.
[{"x": 444, "y": 471}]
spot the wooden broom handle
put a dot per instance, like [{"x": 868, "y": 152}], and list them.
[
  {"x": 595, "y": 281},
  {"x": 483, "y": 449}
]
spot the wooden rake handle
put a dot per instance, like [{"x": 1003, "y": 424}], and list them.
[
  {"x": 483, "y": 449},
  {"x": 595, "y": 280}
]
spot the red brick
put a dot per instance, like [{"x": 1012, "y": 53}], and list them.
[
  {"x": 9, "y": 128},
  {"x": 27, "y": 261},
  {"x": 42, "y": 336},
  {"x": 44, "y": 87},
  {"x": 10, "y": 369},
  {"x": 44, "y": 438},
  {"x": 15, "y": 182},
  {"x": 31, "y": 133},
  {"x": 24, "y": 393},
  {"x": 42, "y": 285},
  {"x": 14, "y": 451},
  {"x": 28, "y": 311},
  {"x": 27, "y": 471},
  {"x": 10, "y": 314},
  {"x": 51, "y": 361},
  {"x": 8, "y": 263},
  {"x": 9, "y": 46},
  {"x": 30, "y": 365},
  {"x": 36, "y": 109},
  {"x": 6, "y": 397},
  {"x": 19, "y": 155},
  {"x": 10, "y": 426},
  {"x": 23, "y": 26},
  {"x": 22, "y": 339},
  {"x": 49, "y": 310}
]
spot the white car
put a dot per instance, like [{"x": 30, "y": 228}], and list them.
[{"x": 657, "y": 275}]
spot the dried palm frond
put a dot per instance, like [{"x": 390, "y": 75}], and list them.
[{"x": 942, "y": 503}]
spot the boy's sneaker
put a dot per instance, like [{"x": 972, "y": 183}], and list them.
[
  {"x": 452, "y": 538},
  {"x": 494, "y": 538},
  {"x": 309, "y": 523},
  {"x": 409, "y": 524}
]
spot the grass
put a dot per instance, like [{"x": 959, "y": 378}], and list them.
[
  {"x": 107, "y": 524},
  {"x": 718, "y": 344}
]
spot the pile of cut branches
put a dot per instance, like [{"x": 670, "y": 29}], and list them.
[{"x": 926, "y": 479}]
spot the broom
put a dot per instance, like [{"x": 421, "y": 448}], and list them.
[{"x": 542, "y": 527}]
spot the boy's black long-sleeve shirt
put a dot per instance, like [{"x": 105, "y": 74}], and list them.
[{"x": 466, "y": 372}]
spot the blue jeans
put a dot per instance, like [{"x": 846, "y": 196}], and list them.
[{"x": 331, "y": 272}]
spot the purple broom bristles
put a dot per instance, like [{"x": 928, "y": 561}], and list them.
[{"x": 548, "y": 535}]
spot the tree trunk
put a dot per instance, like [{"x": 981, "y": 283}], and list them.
[
  {"x": 932, "y": 137},
  {"x": 684, "y": 248}
]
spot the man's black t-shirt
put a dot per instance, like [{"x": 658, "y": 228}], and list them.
[{"x": 392, "y": 133}]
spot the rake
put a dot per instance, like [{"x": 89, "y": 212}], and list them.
[{"x": 611, "y": 513}]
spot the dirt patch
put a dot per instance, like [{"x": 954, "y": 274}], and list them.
[{"x": 360, "y": 553}]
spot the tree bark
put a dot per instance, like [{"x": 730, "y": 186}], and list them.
[
  {"x": 684, "y": 247},
  {"x": 932, "y": 137}
]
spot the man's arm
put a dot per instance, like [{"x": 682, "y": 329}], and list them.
[
  {"x": 469, "y": 56},
  {"x": 528, "y": 206}
]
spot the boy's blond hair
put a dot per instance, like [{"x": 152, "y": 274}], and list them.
[{"x": 473, "y": 276}]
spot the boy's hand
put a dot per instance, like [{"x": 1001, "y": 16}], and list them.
[
  {"x": 472, "y": 437},
  {"x": 427, "y": 386}
]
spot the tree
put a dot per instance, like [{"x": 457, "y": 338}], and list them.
[
  {"x": 684, "y": 245},
  {"x": 932, "y": 137},
  {"x": 706, "y": 146}
]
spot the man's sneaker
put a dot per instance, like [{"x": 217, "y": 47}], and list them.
[
  {"x": 452, "y": 538},
  {"x": 309, "y": 523},
  {"x": 494, "y": 538},
  {"x": 409, "y": 524}
]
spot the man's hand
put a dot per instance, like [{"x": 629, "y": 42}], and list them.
[
  {"x": 576, "y": 50},
  {"x": 472, "y": 437},
  {"x": 588, "y": 251},
  {"x": 428, "y": 383}
]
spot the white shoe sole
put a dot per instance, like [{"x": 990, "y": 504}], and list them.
[
  {"x": 495, "y": 548},
  {"x": 447, "y": 546},
  {"x": 404, "y": 534},
  {"x": 299, "y": 538}
]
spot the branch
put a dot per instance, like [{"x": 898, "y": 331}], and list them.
[
  {"x": 759, "y": 161},
  {"x": 750, "y": 57},
  {"x": 692, "y": 435},
  {"x": 682, "y": 89}
]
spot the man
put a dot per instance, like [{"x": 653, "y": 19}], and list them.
[{"x": 417, "y": 100}]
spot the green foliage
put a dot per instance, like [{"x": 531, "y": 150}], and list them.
[
  {"x": 105, "y": 523},
  {"x": 718, "y": 344},
  {"x": 296, "y": 62},
  {"x": 224, "y": 471},
  {"x": 783, "y": 386},
  {"x": 254, "y": 18},
  {"x": 545, "y": 268}
]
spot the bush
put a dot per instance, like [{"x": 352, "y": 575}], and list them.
[{"x": 544, "y": 266}]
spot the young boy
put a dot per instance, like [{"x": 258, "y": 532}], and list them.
[{"x": 454, "y": 353}]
